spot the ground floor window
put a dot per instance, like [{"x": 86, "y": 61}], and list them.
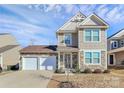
[{"x": 92, "y": 57}]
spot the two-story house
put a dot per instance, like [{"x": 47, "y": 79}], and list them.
[
  {"x": 82, "y": 43},
  {"x": 116, "y": 49}
]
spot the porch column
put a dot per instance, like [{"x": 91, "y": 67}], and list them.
[
  {"x": 58, "y": 60},
  {"x": 21, "y": 62},
  {"x": 63, "y": 60},
  {"x": 79, "y": 59},
  {"x": 71, "y": 60}
]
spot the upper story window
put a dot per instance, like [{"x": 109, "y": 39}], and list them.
[
  {"x": 114, "y": 44},
  {"x": 92, "y": 35},
  {"x": 122, "y": 43},
  {"x": 88, "y": 35},
  {"x": 67, "y": 39}
]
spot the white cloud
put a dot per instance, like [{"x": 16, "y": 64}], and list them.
[
  {"x": 115, "y": 15},
  {"x": 31, "y": 16},
  {"x": 50, "y": 7},
  {"x": 25, "y": 31},
  {"x": 70, "y": 9},
  {"x": 105, "y": 11},
  {"x": 102, "y": 10},
  {"x": 87, "y": 9}
]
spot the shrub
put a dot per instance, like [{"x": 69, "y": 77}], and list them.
[
  {"x": 87, "y": 70},
  {"x": 73, "y": 71},
  {"x": 59, "y": 71},
  {"x": 0, "y": 69},
  {"x": 77, "y": 70},
  {"x": 122, "y": 63},
  {"x": 97, "y": 71},
  {"x": 106, "y": 71},
  {"x": 81, "y": 71}
]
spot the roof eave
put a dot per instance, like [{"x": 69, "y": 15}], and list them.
[{"x": 106, "y": 27}]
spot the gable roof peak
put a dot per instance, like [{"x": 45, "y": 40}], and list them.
[
  {"x": 78, "y": 17},
  {"x": 96, "y": 19},
  {"x": 72, "y": 23},
  {"x": 80, "y": 13}
]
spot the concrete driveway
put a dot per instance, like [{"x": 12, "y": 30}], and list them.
[{"x": 26, "y": 79}]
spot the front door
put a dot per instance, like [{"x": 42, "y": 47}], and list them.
[
  {"x": 111, "y": 59},
  {"x": 67, "y": 60}
]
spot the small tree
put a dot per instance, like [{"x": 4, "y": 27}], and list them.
[{"x": 67, "y": 70}]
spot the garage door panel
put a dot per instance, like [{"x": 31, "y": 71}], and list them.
[
  {"x": 30, "y": 64},
  {"x": 50, "y": 67},
  {"x": 48, "y": 63}
]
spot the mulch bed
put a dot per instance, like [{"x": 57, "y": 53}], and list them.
[{"x": 87, "y": 81}]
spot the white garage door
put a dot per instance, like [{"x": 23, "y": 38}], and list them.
[
  {"x": 48, "y": 63},
  {"x": 29, "y": 64}
]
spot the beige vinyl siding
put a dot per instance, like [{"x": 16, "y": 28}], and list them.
[
  {"x": 74, "y": 39},
  {"x": 61, "y": 39},
  {"x": 11, "y": 57},
  {"x": 108, "y": 45},
  {"x": 119, "y": 57},
  {"x": 93, "y": 45},
  {"x": 7, "y": 40}
]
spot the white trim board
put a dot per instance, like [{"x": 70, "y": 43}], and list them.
[{"x": 1, "y": 60}]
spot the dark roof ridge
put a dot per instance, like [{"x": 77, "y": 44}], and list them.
[{"x": 115, "y": 33}]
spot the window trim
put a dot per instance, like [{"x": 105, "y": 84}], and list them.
[
  {"x": 121, "y": 41},
  {"x": 70, "y": 38},
  {"x": 92, "y": 36},
  {"x": 92, "y": 57},
  {"x": 112, "y": 44}
]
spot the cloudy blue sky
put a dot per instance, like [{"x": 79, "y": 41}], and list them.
[{"x": 40, "y": 22}]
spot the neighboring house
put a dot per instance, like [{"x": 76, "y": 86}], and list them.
[
  {"x": 9, "y": 50},
  {"x": 82, "y": 43},
  {"x": 116, "y": 49}
]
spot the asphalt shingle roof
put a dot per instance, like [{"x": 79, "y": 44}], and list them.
[
  {"x": 39, "y": 49},
  {"x": 8, "y": 47}
]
